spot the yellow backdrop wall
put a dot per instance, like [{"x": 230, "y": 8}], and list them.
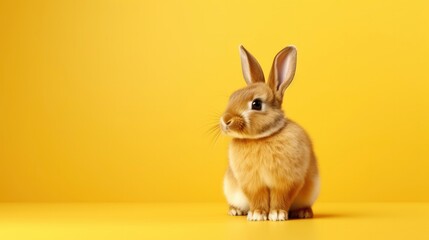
[{"x": 112, "y": 100}]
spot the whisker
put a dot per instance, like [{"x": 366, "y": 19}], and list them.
[
  {"x": 209, "y": 124},
  {"x": 213, "y": 128},
  {"x": 215, "y": 138}
]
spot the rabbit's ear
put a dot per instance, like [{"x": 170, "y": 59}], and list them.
[
  {"x": 252, "y": 71},
  {"x": 283, "y": 70}
]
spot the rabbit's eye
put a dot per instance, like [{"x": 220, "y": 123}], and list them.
[{"x": 257, "y": 104}]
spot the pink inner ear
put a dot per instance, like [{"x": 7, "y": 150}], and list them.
[
  {"x": 280, "y": 78},
  {"x": 284, "y": 69}
]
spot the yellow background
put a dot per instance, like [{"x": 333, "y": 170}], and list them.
[{"x": 112, "y": 100}]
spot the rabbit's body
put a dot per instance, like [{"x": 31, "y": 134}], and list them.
[
  {"x": 284, "y": 160},
  {"x": 272, "y": 170}
]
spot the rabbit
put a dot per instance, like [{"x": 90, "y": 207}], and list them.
[{"x": 272, "y": 170}]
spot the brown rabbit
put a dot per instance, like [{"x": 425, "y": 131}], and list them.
[{"x": 272, "y": 171}]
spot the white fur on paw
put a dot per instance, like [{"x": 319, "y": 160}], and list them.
[
  {"x": 278, "y": 215},
  {"x": 235, "y": 212},
  {"x": 256, "y": 216}
]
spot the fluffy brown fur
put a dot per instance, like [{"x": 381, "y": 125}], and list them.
[{"x": 272, "y": 170}]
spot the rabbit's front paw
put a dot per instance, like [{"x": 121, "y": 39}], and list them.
[
  {"x": 256, "y": 215},
  {"x": 278, "y": 215}
]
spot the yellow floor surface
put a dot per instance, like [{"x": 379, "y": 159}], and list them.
[{"x": 208, "y": 221}]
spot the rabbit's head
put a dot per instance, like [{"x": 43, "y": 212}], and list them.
[{"x": 255, "y": 111}]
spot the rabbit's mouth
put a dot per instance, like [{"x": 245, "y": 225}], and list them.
[
  {"x": 230, "y": 131},
  {"x": 232, "y": 124}
]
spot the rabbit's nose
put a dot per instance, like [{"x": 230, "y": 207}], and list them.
[{"x": 226, "y": 120}]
